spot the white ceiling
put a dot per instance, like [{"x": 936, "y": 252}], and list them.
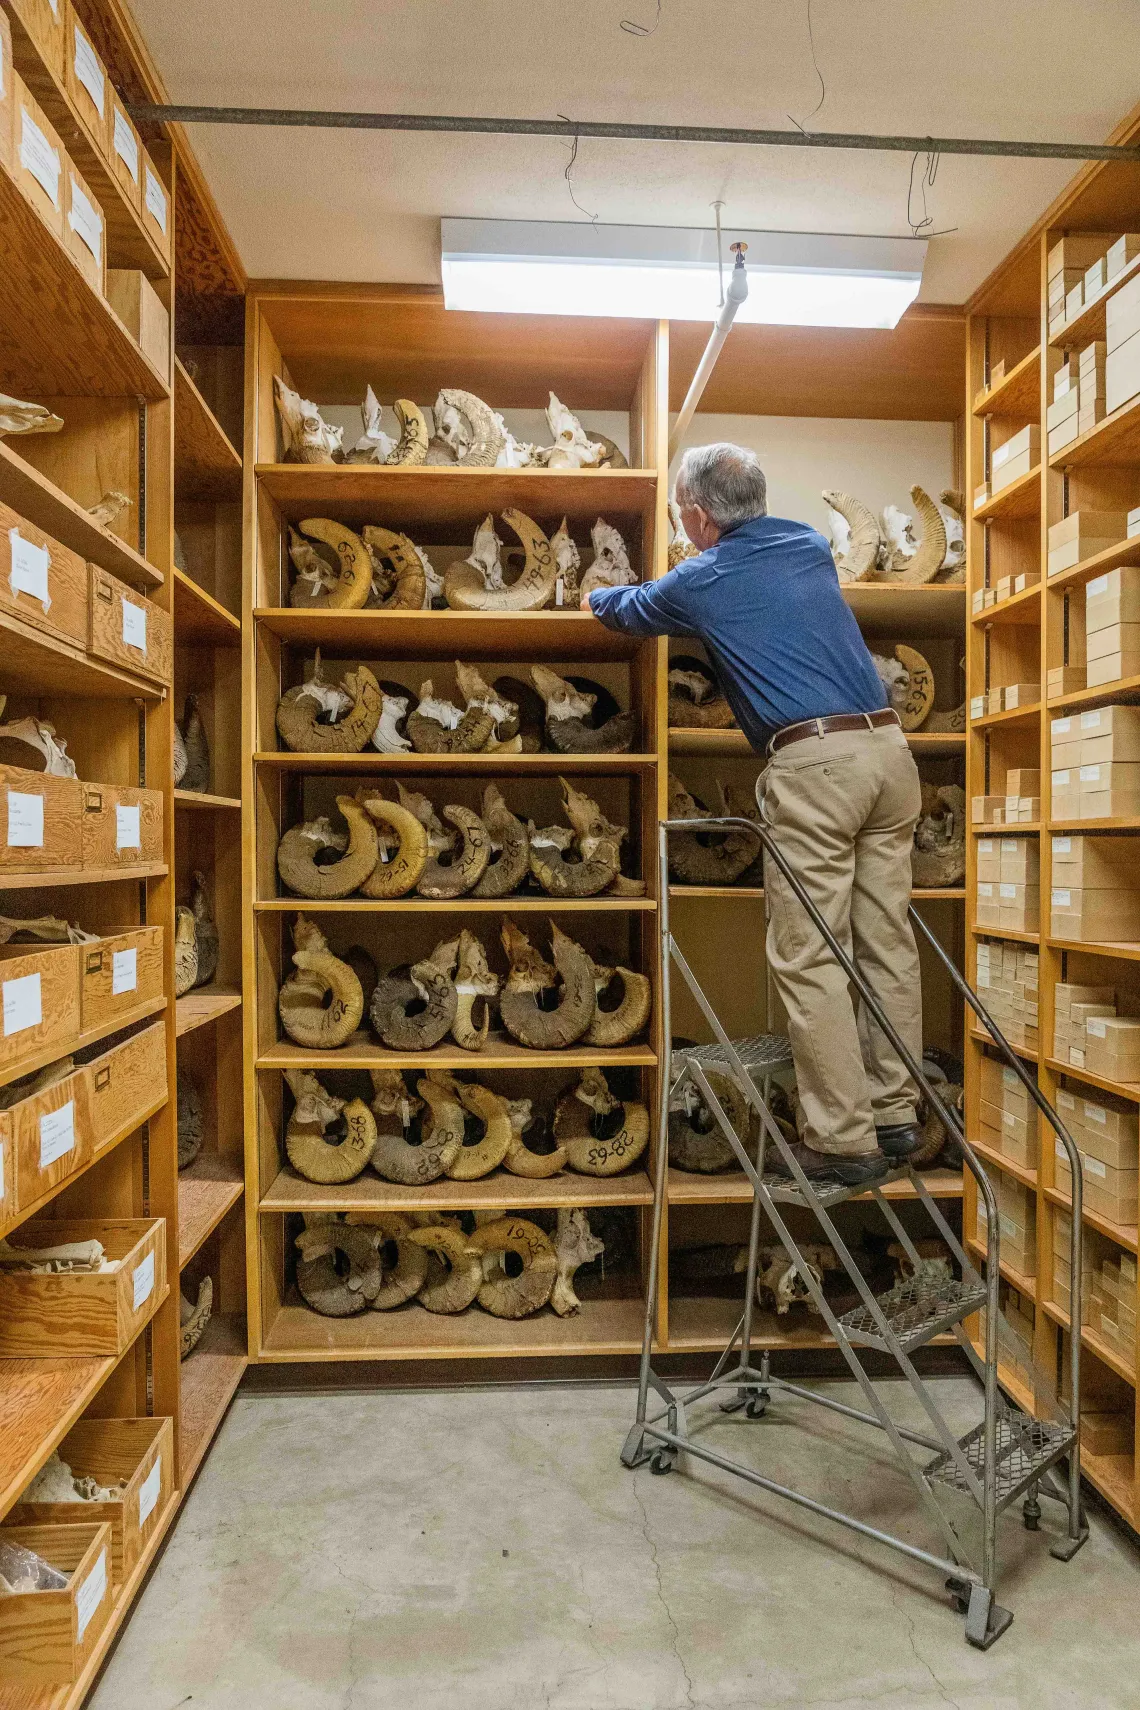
[{"x": 365, "y": 206}]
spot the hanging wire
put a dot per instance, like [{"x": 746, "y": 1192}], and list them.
[
  {"x": 632, "y": 28},
  {"x": 569, "y": 174},
  {"x": 921, "y": 227},
  {"x": 719, "y": 253},
  {"x": 819, "y": 75}
]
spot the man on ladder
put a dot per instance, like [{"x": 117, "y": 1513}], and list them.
[{"x": 840, "y": 795}]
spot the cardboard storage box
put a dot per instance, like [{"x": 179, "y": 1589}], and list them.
[
  {"x": 41, "y": 582},
  {"x": 1065, "y": 739},
  {"x": 1109, "y": 791},
  {"x": 1122, "y": 374},
  {"x": 1016, "y": 457},
  {"x": 39, "y": 993},
  {"x": 1065, "y": 794},
  {"x": 1110, "y": 734},
  {"x": 1113, "y": 1047},
  {"x": 989, "y": 859},
  {"x": 126, "y": 628},
  {"x": 1019, "y": 1139},
  {"x": 125, "y": 151},
  {"x": 1121, "y": 253},
  {"x": 143, "y": 313},
  {"x": 118, "y": 974},
  {"x": 1096, "y": 863},
  {"x": 1110, "y": 1130},
  {"x": 987, "y": 908},
  {"x": 1019, "y": 860},
  {"x": 1108, "y": 1191},
  {"x": 155, "y": 206},
  {"x": 47, "y": 1638},
  {"x": 1122, "y": 316},
  {"x": 1082, "y": 535},
  {"x": 84, "y": 230},
  {"x": 1023, "y": 781},
  {"x": 122, "y": 826},
  {"x": 1113, "y": 598},
  {"x": 41, "y": 817},
  {"x": 1020, "y": 695},
  {"x": 39, "y": 159},
  {"x": 1087, "y": 916},
  {"x": 983, "y": 809},
  {"x": 1065, "y": 680},
  {"x": 85, "y": 78},
  {"x": 55, "y": 1314}
]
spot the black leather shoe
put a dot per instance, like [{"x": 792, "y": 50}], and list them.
[
  {"x": 899, "y": 1140},
  {"x": 830, "y": 1169}
]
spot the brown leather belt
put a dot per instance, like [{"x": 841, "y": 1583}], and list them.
[{"x": 836, "y": 721}]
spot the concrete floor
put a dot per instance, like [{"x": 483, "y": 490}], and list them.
[{"x": 407, "y": 1551}]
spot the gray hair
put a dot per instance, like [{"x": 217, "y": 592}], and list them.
[{"x": 726, "y": 481}]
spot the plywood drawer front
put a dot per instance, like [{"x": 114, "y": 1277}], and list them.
[
  {"x": 7, "y": 94},
  {"x": 83, "y": 1312},
  {"x": 51, "y": 1135},
  {"x": 126, "y": 1082},
  {"x": 7, "y": 1180},
  {"x": 43, "y": 23},
  {"x": 87, "y": 82},
  {"x": 39, "y": 159},
  {"x": 137, "y": 1451},
  {"x": 126, "y": 151},
  {"x": 122, "y": 827},
  {"x": 117, "y": 974},
  {"x": 40, "y": 821},
  {"x": 126, "y": 629},
  {"x": 40, "y": 993},
  {"x": 41, "y": 581},
  {"x": 47, "y": 1637},
  {"x": 155, "y": 206}
]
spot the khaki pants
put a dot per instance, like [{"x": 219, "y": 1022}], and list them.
[{"x": 842, "y": 809}]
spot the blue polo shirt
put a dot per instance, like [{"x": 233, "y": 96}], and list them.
[{"x": 767, "y": 604}]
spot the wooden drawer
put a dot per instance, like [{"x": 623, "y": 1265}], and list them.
[
  {"x": 43, "y": 24},
  {"x": 86, "y": 81},
  {"x": 127, "y": 629},
  {"x": 47, "y": 1637},
  {"x": 116, "y": 975},
  {"x": 39, "y": 987},
  {"x": 39, "y": 159},
  {"x": 122, "y": 827},
  {"x": 7, "y": 104},
  {"x": 7, "y": 1180},
  {"x": 50, "y": 1134},
  {"x": 126, "y": 1081},
  {"x": 42, "y": 820},
  {"x": 51, "y": 590},
  {"x": 126, "y": 152},
  {"x": 155, "y": 205},
  {"x": 139, "y": 1451},
  {"x": 84, "y": 229},
  {"x": 61, "y": 1313}
]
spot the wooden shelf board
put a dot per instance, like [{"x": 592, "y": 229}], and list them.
[
  {"x": 1124, "y": 952},
  {"x": 84, "y": 876},
  {"x": 1017, "y": 393},
  {"x": 1022, "y": 1283},
  {"x": 199, "y": 800},
  {"x": 1025, "y": 1052},
  {"x": 1124, "y": 552},
  {"x": 207, "y": 1189},
  {"x": 48, "y": 507},
  {"x": 1013, "y": 830},
  {"x": 43, "y": 664},
  {"x": 1023, "y": 608},
  {"x": 413, "y": 1333},
  {"x": 200, "y": 1007},
  {"x": 206, "y": 463},
  {"x": 290, "y": 1192},
  {"x": 499, "y": 1053},
  {"x": 733, "y": 1187},
  {"x": 1089, "y": 1339},
  {"x": 37, "y": 1205},
  {"x": 91, "y": 1036},
  {"x": 469, "y": 905},
  {"x": 472, "y": 635},
  {"x": 1028, "y": 1178},
  {"x": 724, "y": 744},
  {"x": 199, "y": 617},
  {"x": 209, "y": 1375},
  {"x": 1123, "y": 1089},
  {"x": 1090, "y": 323},
  {"x": 1125, "y": 688},
  {"x": 1005, "y": 932},
  {"x": 1124, "y": 824},
  {"x": 1015, "y": 715},
  {"x": 40, "y": 1400},
  {"x": 453, "y": 498},
  {"x": 498, "y": 765},
  {"x": 1112, "y": 442},
  {"x": 59, "y": 336},
  {"x": 1021, "y": 498},
  {"x": 1114, "y": 1476},
  {"x": 1122, "y": 1234},
  {"x": 931, "y": 609}
]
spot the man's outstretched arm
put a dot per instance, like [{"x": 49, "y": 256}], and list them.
[{"x": 652, "y": 608}]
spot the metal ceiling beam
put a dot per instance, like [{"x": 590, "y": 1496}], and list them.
[{"x": 733, "y": 136}]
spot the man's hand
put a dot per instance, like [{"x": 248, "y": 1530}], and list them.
[{"x": 584, "y": 604}]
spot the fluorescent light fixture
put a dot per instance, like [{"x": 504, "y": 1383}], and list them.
[{"x": 551, "y": 267}]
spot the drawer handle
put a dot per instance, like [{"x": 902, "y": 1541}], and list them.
[
  {"x": 104, "y": 591},
  {"x": 93, "y": 802},
  {"x": 102, "y": 1077},
  {"x": 94, "y": 961}
]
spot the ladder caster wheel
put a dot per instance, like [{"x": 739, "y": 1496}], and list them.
[
  {"x": 755, "y": 1409},
  {"x": 1031, "y": 1514},
  {"x": 959, "y": 1590},
  {"x": 661, "y": 1463}
]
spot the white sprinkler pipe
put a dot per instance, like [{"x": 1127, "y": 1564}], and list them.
[{"x": 734, "y": 296}]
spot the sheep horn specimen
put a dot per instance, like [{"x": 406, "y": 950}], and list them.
[
  {"x": 611, "y": 567},
  {"x": 18, "y": 417},
  {"x": 197, "y": 773},
  {"x": 388, "y": 738},
  {"x": 191, "y": 1119},
  {"x": 400, "y": 1281},
  {"x": 617, "y": 1026},
  {"x": 696, "y": 1140},
  {"x": 193, "y": 1318},
  {"x": 680, "y": 547},
  {"x": 299, "y": 712},
  {"x": 572, "y": 449},
  {"x": 477, "y": 693},
  {"x": 567, "y": 713},
  {"x": 411, "y": 447},
  {"x": 441, "y": 1132},
  {"x": 509, "y": 860},
  {"x": 32, "y": 744},
  {"x": 466, "y": 868},
  {"x": 406, "y": 559},
  {"x": 712, "y": 858},
  {"x": 297, "y": 852},
  {"x": 354, "y": 584},
  {"x": 532, "y": 712},
  {"x": 920, "y": 688},
  {"x": 574, "y": 1245},
  {"x": 494, "y": 1112},
  {"x": 476, "y": 584},
  {"x": 585, "y": 877},
  {"x": 568, "y": 564},
  {"x": 440, "y": 727},
  {"x": 520, "y": 1160},
  {"x": 395, "y": 876},
  {"x": 428, "y": 982},
  {"x": 318, "y": 1282},
  {"x": 925, "y": 562},
  {"x": 468, "y": 427},
  {"x": 939, "y": 855},
  {"x": 205, "y": 931},
  {"x": 523, "y": 1016},
  {"x": 855, "y": 556},
  {"x": 374, "y": 445},
  {"x": 185, "y": 951},
  {"x": 474, "y": 983},
  {"x": 178, "y": 754},
  {"x": 314, "y": 1113},
  {"x": 455, "y": 1273},
  {"x": 696, "y": 699},
  {"x": 516, "y": 1297},
  {"x": 316, "y": 574},
  {"x": 308, "y": 437},
  {"x": 318, "y": 975},
  {"x": 590, "y": 1107}
]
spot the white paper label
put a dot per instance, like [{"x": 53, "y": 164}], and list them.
[
  {"x": 128, "y": 834},
  {"x": 985, "y": 889},
  {"x": 1061, "y": 727},
  {"x": 155, "y": 198},
  {"x": 25, "y": 820},
  {"x": 1090, "y": 774},
  {"x": 85, "y": 221},
  {"x": 38, "y": 157},
  {"x": 1097, "y": 1113},
  {"x": 57, "y": 1134},
  {"x": 54, "y": 4},
  {"x": 1098, "y": 585},
  {"x": 144, "y": 1280},
  {"x": 1062, "y": 899},
  {"x": 1094, "y": 1167},
  {"x": 1010, "y": 1078},
  {"x": 90, "y": 1594},
  {"x": 1095, "y": 1026},
  {"x": 1062, "y": 846},
  {"x": 1060, "y": 780},
  {"x": 1010, "y": 845},
  {"x": 1059, "y": 1148},
  {"x": 1076, "y": 1057},
  {"x": 985, "y": 846},
  {"x": 88, "y": 71},
  {"x": 1007, "y": 891},
  {"x": 126, "y": 145},
  {"x": 1010, "y": 1118},
  {"x": 978, "y": 706},
  {"x": 1066, "y": 1101},
  {"x": 30, "y": 566},
  {"x": 134, "y": 625},
  {"x": 23, "y": 1004},
  {"x": 124, "y": 971},
  {"x": 1090, "y": 721},
  {"x": 148, "y": 1491}
]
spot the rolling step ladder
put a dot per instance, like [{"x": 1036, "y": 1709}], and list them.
[{"x": 964, "y": 1482}]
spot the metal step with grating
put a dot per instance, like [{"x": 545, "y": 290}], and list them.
[
  {"x": 916, "y": 1311},
  {"x": 787, "y": 1192},
  {"x": 762, "y": 1054},
  {"x": 1025, "y": 1448}
]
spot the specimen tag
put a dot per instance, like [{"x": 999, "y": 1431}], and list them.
[
  {"x": 57, "y": 1134},
  {"x": 23, "y": 1004},
  {"x": 25, "y": 820},
  {"x": 90, "y": 1594},
  {"x": 144, "y": 1280},
  {"x": 30, "y": 566},
  {"x": 148, "y": 1491},
  {"x": 134, "y": 625},
  {"x": 124, "y": 971},
  {"x": 128, "y": 834}
]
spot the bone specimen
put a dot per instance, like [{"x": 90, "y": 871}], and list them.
[
  {"x": 395, "y": 874},
  {"x": 319, "y": 718},
  {"x": 191, "y": 1119},
  {"x": 398, "y": 1157},
  {"x": 185, "y": 951},
  {"x": 935, "y": 1266},
  {"x": 55, "y": 1482},
  {"x": 411, "y": 447},
  {"x": 477, "y": 583},
  {"x": 568, "y": 715},
  {"x": 453, "y": 872},
  {"x": 205, "y": 931},
  {"x": 487, "y": 1151},
  {"x": 455, "y": 1272},
  {"x": 468, "y": 429},
  {"x": 524, "y": 1016},
  {"x": 44, "y": 929},
  {"x": 936, "y": 1138},
  {"x": 574, "y": 1245},
  {"x": 611, "y": 567},
  {"x": 680, "y": 547},
  {"x": 900, "y": 558},
  {"x": 953, "y": 507},
  {"x": 440, "y": 727},
  {"x": 696, "y": 1140},
  {"x": 194, "y": 1317},
  {"x": 855, "y": 537},
  {"x": 939, "y": 855},
  {"x": 624, "y": 1020},
  {"x": 374, "y": 445},
  {"x": 516, "y": 1297},
  {"x": 589, "y": 873},
  {"x": 32, "y": 744},
  {"x": 67, "y": 1256},
  {"x": 317, "y": 573},
  {"x": 197, "y": 748},
  {"x": 403, "y": 1278},
  {"x": 571, "y": 449},
  {"x": 18, "y": 417},
  {"x": 531, "y": 711},
  {"x": 474, "y": 984},
  {"x": 297, "y": 854},
  {"x": 316, "y": 1111},
  {"x": 909, "y": 683},
  {"x": 696, "y": 699},
  {"x": 509, "y": 860},
  {"x": 781, "y": 1283},
  {"x": 602, "y": 1135},
  {"x": 405, "y": 586},
  {"x": 354, "y": 584},
  {"x": 29, "y": 1085},
  {"x": 429, "y": 982},
  {"x": 709, "y": 858},
  {"x": 306, "y": 437},
  {"x": 319, "y": 1280},
  {"x": 568, "y": 563},
  {"x": 321, "y": 1003},
  {"x": 388, "y": 738},
  {"x": 520, "y": 1159},
  {"x": 477, "y": 693}
]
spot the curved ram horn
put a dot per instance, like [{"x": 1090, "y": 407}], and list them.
[
  {"x": 696, "y": 699},
  {"x": 562, "y": 878},
  {"x": 714, "y": 858},
  {"x": 440, "y": 727},
  {"x": 318, "y": 1281},
  {"x": 185, "y": 951},
  {"x": 574, "y": 1245},
  {"x": 354, "y": 583},
  {"x": 476, "y": 584},
  {"x": 407, "y": 561},
  {"x": 194, "y": 740},
  {"x": 298, "y": 849},
  {"x": 319, "y": 975},
  {"x": 411, "y": 447},
  {"x": 404, "y": 1279},
  {"x": 316, "y": 576},
  {"x": 581, "y": 1121},
  {"x": 455, "y": 1273},
  {"x": 696, "y": 1140},
  {"x": 617, "y": 1026},
  {"x": 474, "y": 983},
  {"x": 477, "y": 693},
  {"x": 395, "y": 875},
  {"x": 314, "y": 1113},
  {"x": 488, "y": 1152},
  {"x": 920, "y": 688},
  {"x": 532, "y": 713},
  {"x": 299, "y": 710},
  {"x": 923, "y": 564},
  {"x": 205, "y": 930},
  {"x": 523, "y": 1016},
  {"x": 516, "y": 1297},
  {"x": 469, "y": 428},
  {"x": 429, "y": 982},
  {"x": 508, "y": 840},
  {"x": 465, "y": 868},
  {"x": 307, "y": 437},
  {"x": 520, "y": 1160},
  {"x": 193, "y": 1319},
  {"x": 568, "y": 710},
  {"x": 394, "y": 1156},
  {"x": 856, "y": 561}
]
